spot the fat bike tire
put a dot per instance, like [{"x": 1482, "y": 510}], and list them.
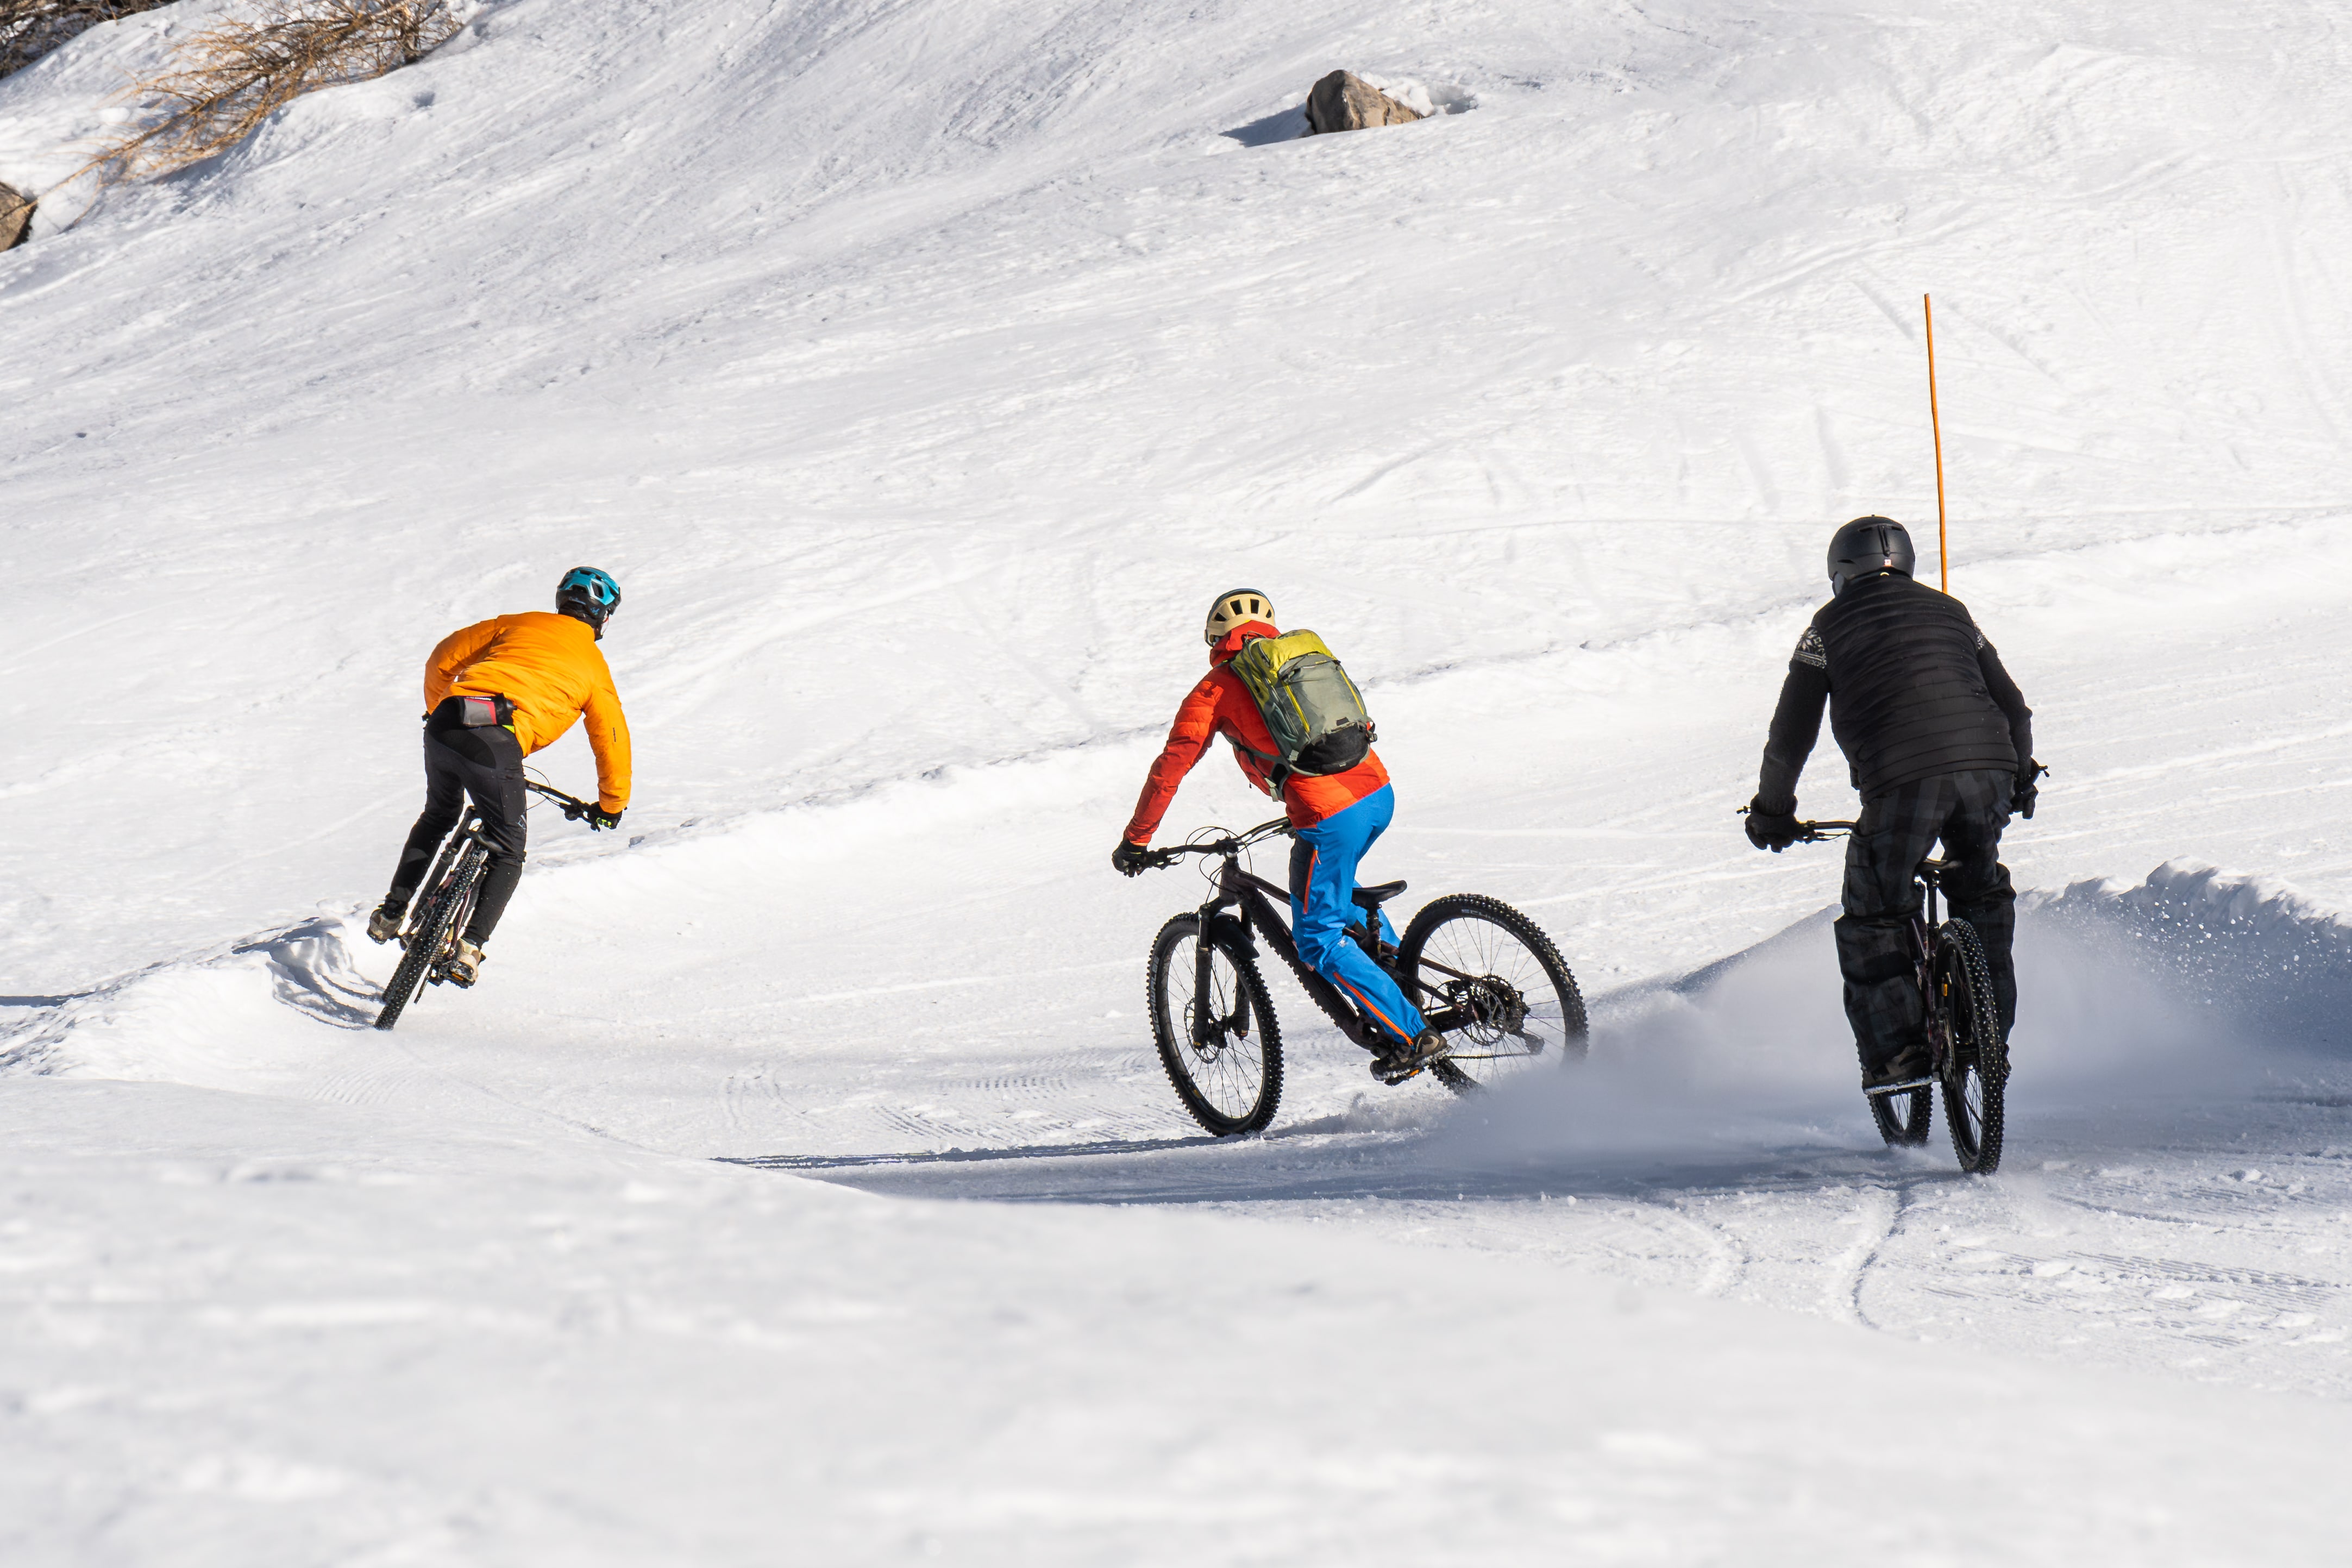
[
  {"x": 1232, "y": 1082},
  {"x": 1512, "y": 962},
  {"x": 1975, "y": 1079},
  {"x": 426, "y": 941}
]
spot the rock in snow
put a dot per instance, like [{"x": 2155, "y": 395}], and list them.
[
  {"x": 15, "y": 216},
  {"x": 1346, "y": 101}
]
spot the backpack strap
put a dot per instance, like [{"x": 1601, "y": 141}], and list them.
[{"x": 1276, "y": 771}]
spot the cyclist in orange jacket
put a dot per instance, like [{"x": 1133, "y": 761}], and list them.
[
  {"x": 494, "y": 693},
  {"x": 1334, "y": 819}
]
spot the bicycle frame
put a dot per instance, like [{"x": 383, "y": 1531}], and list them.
[
  {"x": 1925, "y": 924},
  {"x": 1261, "y": 903},
  {"x": 466, "y": 835},
  {"x": 468, "y": 826}
]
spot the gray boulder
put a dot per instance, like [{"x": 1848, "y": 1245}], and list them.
[
  {"x": 1345, "y": 102},
  {"x": 15, "y": 216}
]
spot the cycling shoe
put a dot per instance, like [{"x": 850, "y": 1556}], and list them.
[
  {"x": 1406, "y": 1060},
  {"x": 465, "y": 964}
]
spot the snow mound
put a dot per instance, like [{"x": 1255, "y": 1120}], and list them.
[{"x": 231, "y": 1019}]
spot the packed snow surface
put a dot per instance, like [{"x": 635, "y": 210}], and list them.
[{"x": 800, "y": 1184}]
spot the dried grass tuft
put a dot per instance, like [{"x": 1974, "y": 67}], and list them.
[{"x": 219, "y": 85}]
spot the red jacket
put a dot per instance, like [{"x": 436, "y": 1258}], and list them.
[{"x": 1221, "y": 705}]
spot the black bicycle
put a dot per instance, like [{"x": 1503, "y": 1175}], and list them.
[
  {"x": 1484, "y": 976},
  {"x": 428, "y": 940},
  {"x": 1967, "y": 1057}
]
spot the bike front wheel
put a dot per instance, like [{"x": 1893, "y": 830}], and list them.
[
  {"x": 1503, "y": 996},
  {"x": 1975, "y": 1073},
  {"x": 1219, "y": 1041}
]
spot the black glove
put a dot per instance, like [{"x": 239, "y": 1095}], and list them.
[
  {"x": 2027, "y": 792},
  {"x": 1132, "y": 859},
  {"x": 600, "y": 819},
  {"x": 1773, "y": 830}
]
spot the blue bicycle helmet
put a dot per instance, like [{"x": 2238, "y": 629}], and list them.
[{"x": 588, "y": 593}]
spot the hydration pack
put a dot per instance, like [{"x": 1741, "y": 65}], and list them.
[{"x": 1311, "y": 708}]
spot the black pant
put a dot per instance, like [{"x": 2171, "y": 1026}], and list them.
[
  {"x": 1897, "y": 831},
  {"x": 485, "y": 763}
]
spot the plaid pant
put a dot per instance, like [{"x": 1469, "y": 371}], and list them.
[{"x": 1898, "y": 830}]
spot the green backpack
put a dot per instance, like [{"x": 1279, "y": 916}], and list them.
[{"x": 1311, "y": 708}]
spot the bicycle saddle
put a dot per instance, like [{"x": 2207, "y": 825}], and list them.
[{"x": 1374, "y": 897}]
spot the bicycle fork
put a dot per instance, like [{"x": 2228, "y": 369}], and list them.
[{"x": 1206, "y": 1026}]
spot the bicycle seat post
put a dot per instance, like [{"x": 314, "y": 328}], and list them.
[{"x": 1930, "y": 874}]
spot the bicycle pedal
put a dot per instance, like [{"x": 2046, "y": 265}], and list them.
[
  {"x": 1905, "y": 1086},
  {"x": 1393, "y": 1073}
]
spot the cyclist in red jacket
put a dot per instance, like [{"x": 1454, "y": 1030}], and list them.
[{"x": 1334, "y": 818}]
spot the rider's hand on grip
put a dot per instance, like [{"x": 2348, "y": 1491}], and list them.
[
  {"x": 1132, "y": 860},
  {"x": 600, "y": 819},
  {"x": 1773, "y": 830},
  {"x": 2027, "y": 791}
]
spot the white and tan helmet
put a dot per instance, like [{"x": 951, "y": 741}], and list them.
[{"x": 1237, "y": 607}]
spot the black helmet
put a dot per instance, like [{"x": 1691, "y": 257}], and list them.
[{"x": 1868, "y": 546}]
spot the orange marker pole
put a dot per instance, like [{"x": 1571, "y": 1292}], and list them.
[{"x": 1935, "y": 422}]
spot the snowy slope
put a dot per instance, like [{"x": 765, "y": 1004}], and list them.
[{"x": 920, "y": 369}]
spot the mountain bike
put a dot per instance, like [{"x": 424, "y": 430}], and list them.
[
  {"x": 1484, "y": 976},
  {"x": 1968, "y": 1058},
  {"x": 428, "y": 940}
]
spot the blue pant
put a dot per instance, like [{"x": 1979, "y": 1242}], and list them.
[{"x": 1323, "y": 906}]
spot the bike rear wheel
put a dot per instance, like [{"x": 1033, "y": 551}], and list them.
[
  {"x": 430, "y": 935},
  {"x": 1975, "y": 1069},
  {"x": 1231, "y": 1077},
  {"x": 1518, "y": 1007}
]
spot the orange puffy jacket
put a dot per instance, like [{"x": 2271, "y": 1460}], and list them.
[
  {"x": 550, "y": 668},
  {"x": 1221, "y": 705}
]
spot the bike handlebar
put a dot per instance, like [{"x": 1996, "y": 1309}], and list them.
[
  {"x": 1230, "y": 843},
  {"x": 1813, "y": 832},
  {"x": 573, "y": 807}
]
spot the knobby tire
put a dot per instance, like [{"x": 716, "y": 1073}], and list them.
[
  {"x": 1976, "y": 1076},
  {"x": 426, "y": 942},
  {"x": 1234, "y": 1084},
  {"x": 1483, "y": 1055}
]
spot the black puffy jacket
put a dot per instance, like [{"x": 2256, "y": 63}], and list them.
[{"x": 1914, "y": 689}]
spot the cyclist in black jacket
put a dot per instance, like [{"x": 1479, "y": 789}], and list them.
[{"x": 1941, "y": 743}]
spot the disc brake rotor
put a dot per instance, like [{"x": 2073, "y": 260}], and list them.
[{"x": 1495, "y": 1007}]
